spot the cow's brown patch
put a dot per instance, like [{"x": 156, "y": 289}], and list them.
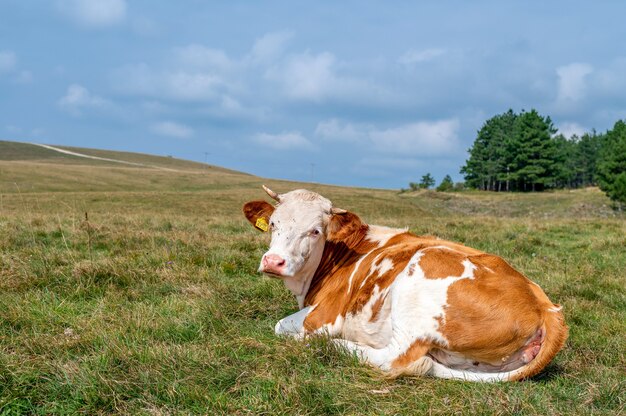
[
  {"x": 342, "y": 226},
  {"x": 376, "y": 307},
  {"x": 330, "y": 284},
  {"x": 399, "y": 252},
  {"x": 254, "y": 210},
  {"x": 438, "y": 263},
  {"x": 417, "y": 350},
  {"x": 492, "y": 315}
]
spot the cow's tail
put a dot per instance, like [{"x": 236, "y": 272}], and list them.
[{"x": 554, "y": 333}]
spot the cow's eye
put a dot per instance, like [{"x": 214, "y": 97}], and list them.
[
  {"x": 271, "y": 224},
  {"x": 315, "y": 232}
]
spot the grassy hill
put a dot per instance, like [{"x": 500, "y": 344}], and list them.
[
  {"x": 134, "y": 290},
  {"x": 26, "y": 168},
  {"x": 17, "y": 151}
]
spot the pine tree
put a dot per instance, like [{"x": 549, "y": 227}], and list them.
[
  {"x": 533, "y": 150},
  {"x": 486, "y": 167},
  {"x": 427, "y": 181},
  {"x": 446, "y": 184},
  {"x": 612, "y": 163},
  {"x": 568, "y": 170},
  {"x": 589, "y": 146}
]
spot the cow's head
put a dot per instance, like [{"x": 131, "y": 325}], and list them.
[{"x": 300, "y": 224}]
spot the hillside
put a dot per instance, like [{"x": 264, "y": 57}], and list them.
[
  {"x": 18, "y": 151},
  {"x": 31, "y": 168}
]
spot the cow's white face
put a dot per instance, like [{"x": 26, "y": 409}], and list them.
[{"x": 298, "y": 226}]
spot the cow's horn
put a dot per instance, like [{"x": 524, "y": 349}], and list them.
[
  {"x": 271, "y": 193},
  {"x": 334, "y": 210}
]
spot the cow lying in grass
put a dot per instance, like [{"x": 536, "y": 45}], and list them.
[{"x": 404, "y": 303}]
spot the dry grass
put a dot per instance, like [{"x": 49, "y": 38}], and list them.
[{"x": 154, "y": 306}]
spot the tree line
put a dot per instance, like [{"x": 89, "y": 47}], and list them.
[{"x": 523, "y": 152}]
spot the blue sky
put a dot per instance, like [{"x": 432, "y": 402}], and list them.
[{"x": 364, "y": 93}]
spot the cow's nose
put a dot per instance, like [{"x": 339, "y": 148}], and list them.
[{"x": 273, "y": 263}]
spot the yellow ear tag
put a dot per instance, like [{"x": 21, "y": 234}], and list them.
[{"x": 261, "y": 224}]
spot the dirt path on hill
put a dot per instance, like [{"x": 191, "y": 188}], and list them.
[{"x": 68, "y": 152}]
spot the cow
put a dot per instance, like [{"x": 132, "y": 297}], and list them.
[{"x": 403, "y": 303}]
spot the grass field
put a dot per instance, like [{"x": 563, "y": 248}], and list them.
[{"x": 134, "y": 291}]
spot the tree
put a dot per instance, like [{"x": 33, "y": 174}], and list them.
[
  {"x": 446, "y": 184},
  {"x": 513, "y": 152},
  {"x": 612, "y": 163},
  {"x": 533, "y": 152},
  {"x": 487, "y": 166},
  {"x": 589, "y": 148},
  {"x": 427, "y": 181}
]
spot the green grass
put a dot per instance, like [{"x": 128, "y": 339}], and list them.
[{"x": 154, "y": 305}]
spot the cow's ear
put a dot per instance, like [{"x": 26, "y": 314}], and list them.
[
  {"x": 258, "y": 213},
  {"x": 342, "y": 225}
]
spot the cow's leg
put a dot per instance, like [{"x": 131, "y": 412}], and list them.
[
  {"x": 293, "y": 324},
  {"x": 378, "y": 357},
  {"x": 393, "y": 358}
]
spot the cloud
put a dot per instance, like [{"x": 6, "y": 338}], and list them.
[
  {"x": 8, "y": 61},
  {"x": 172, "y": 129},
  {"x": 199, "y": 56},
  {"x": 334, "y": 129},
  {"x": 178, "y": 84},
  {"x": 414, "y": 57},
  {"x": 421, "y": 138},
  {"x": 307, "y": 76},
  {"x": 94, "y": 13},
  {"x": 571, "y": 84},
  {"x": 429, "y": 138},
  {"x": 270, "y": 46},
  {"x": 77, "y": 98},
  {"x": 283, "y": 141},
  {"x": 569, "y": 129},
  {"x": 313, "y": 78}
]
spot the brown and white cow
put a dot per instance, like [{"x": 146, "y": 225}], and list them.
[{"x": 404, "y": 303}]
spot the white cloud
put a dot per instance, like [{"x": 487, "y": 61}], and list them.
[
  {"x": 314, "y": 78},
  {"x": 428, "y": 138},
  {"x": 283, "y": 141},
  {"x": 334, "y": 129},
  {"x": 414, "y": 57},
  {"x": 179, "y": 85},
  {"x": 572, "y": 83},
  {"x": 307, "y": 76},
  {"x": 270, "y": 46},
  {"x": 78, "y": 98},
  {"x": 569, "y": 129},
  {"x": 8, "y": 61},
  {"x": 420, "y": 138},
  {"x": 94, "y": 13},
  {"x": 172, "y": 129},
  {"x": 199, "y": 56}
]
